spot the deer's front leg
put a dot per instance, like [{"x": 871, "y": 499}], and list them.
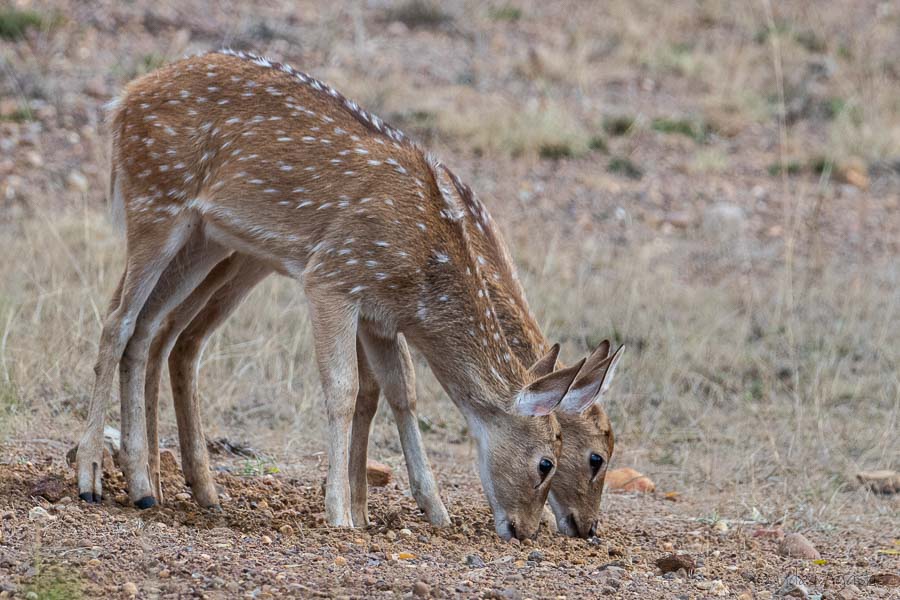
[
  {"x": 393, "y": 367},
  {"x": 334, "y": 324},
  {"x": 366, "y": 406}
]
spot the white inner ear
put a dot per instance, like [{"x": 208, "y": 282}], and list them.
[
  {"x": 536, "y": 404},
  {"x": 608, "y": 376},
  {"x": 577, "y": 401}
]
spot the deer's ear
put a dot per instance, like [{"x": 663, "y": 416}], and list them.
[
  {"x": 542, "y": 396},
  {"x": 545, "y": 364},
  {"x": 593, "y": 381}
]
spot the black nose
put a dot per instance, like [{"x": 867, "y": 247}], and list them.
[{"x": 512, "y": 530}]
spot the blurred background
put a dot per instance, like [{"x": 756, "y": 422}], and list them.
[{"x": 714, "y": 184}]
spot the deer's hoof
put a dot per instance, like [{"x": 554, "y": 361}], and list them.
[
  {"x": 146, "y": 502},
  {"x": 90, "y": 497}
]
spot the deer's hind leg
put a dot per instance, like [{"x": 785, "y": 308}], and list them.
[
  {"x": 190, "y": 326},
  {"x": 152, "y": 244},
  {"x": 366, "y": 407},
  {"x": 165, "y": 339},
  {"x": 183, "y": 275}
]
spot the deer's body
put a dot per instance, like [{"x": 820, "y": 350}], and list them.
[{"x": 224, "y": 154}]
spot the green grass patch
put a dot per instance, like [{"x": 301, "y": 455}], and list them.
[
  {"x": 53, "y": 582},
  {"x": 257, "y": 467},
  {"x": 598, "y": 144},
  {"x": 697, "y": 131},
  {"x": 555, "y": 150},
  {"x": 812, "y": 41},
  {"x": 821, "y": 165},
  {"x": 15, "y": 23},
  {"x": 625, "y": 166},
  {"x": 618, "y": 126},
  {"x": 419, "y": 14},
  {"x": 150, "y": 62},
  {"x": 505, "y": 13},
  {"x": 791, "y": 167},
  {"x": 19, "y": 115}
]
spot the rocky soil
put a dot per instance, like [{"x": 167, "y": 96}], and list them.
[{"x": 270, "y": 541}]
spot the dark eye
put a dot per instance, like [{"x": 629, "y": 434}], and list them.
[
  {"x": 545, "y": 466},
  {"x": 596, "y": 463}
]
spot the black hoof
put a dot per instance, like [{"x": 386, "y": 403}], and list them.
[
  {"x": 90, "y": 497},
  {"x": 146, "y": 502}
]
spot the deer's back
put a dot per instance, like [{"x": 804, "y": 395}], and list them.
[{"x": 281, "y": 166}]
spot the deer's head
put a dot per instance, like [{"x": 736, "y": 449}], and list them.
[
  {"x": 587, "y": 446},
  {"x": 519, "y": 446}
]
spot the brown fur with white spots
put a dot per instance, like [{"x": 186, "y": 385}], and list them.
[{"x": 224, "y": 154}]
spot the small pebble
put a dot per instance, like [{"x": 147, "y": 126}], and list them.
[
  {"x": 286, "y": 530},
  {"x": 474, "y": 561},
  {"x": 793, "y": 587},
  {"x": 266, "y": 539},
  {"x": 405, "y": 533},
  {"x": 129, "y": 588},
  {"x": 39, "y": 513},
  {"x": 885, "y": 579},
  {"x": 421, "y": 589},
  {"x": 795, "y": 545},
  {"x": 340, "y": 561},
  {"x": 536, "y": 556},
  {"x": 851, "y": 592},
  {"x": 673, "y": 563}
]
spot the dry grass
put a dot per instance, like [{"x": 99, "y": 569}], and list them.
[{"x": 725, "y": 384}]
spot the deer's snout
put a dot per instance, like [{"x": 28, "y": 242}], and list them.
[{"x": 572, "y": 526}]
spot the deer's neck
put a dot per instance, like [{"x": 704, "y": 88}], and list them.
[
  {"x": 519, "y": 325},
  {"x": 458, "y": 329}
]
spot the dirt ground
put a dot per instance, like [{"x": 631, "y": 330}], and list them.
[
  {"x": 713, "y": 184},
  {"x": 270, "y": 541}
]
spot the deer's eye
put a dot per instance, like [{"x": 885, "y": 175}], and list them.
[
  {"x": 545, "y": 466},
  {"x": 596, "y": 463}
]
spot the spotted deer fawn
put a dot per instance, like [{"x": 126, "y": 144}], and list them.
[
  {"x": 228, "y": 157},
  {"x": 576, "y": 489}
]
